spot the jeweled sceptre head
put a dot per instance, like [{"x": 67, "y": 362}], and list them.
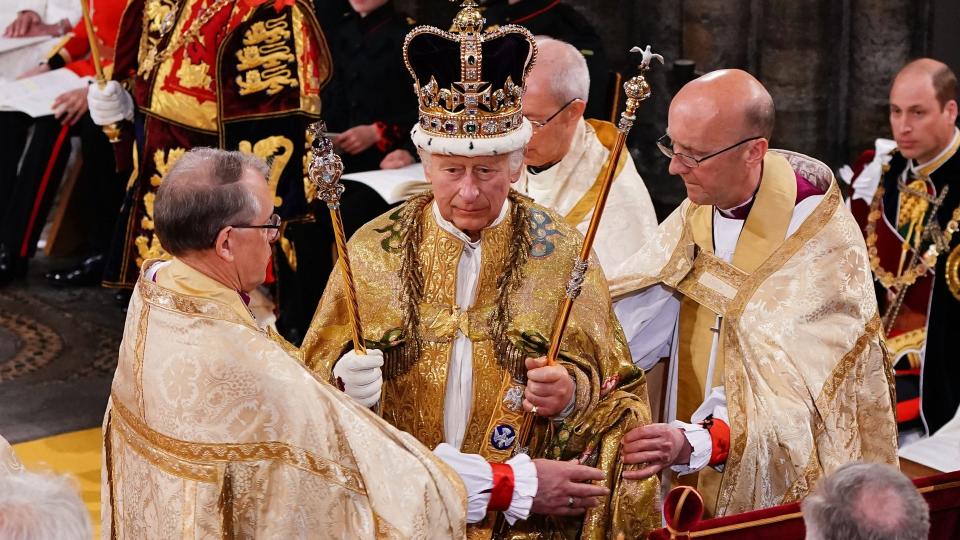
[{"x": 325, "y": 166}]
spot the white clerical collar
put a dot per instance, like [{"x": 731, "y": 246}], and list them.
[
  {"x": 739, "y": 211},
  {"x": 916, "y": 168},
  {"x": 452, "y": 229}
]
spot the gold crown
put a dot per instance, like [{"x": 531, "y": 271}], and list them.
[{"x": 469, "y": 83}]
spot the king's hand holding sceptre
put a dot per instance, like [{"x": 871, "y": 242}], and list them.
[
  {"x": 359, "y": 375},
  {"x": 637, "y": 90}
]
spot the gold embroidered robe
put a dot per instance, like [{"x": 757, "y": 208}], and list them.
[
  {"x": 611, "y": 393},
  {"x": 216, "y": 431},
  {"x": 807, "y": 381}
]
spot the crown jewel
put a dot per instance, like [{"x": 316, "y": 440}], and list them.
[{"x": 469, "y": 83}]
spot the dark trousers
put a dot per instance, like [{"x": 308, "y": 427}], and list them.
[{"x": 31, "y": 169}]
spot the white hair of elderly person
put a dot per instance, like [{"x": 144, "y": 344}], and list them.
[
  {"x": 41, "y": 506},
  {"x": 866, "y": 501}
]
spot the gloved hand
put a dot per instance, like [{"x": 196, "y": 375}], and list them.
[
  {"x": 360, "y": 376},
  {"x": 109, "y": 104}
]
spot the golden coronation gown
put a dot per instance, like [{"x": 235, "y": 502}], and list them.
[{"x": 406, "y": 266}]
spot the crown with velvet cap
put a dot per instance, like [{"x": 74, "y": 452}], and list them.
[{"x": 469, "y": 84}]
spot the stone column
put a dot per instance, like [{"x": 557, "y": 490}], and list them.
[
  {"x": 715, "y": 34},
  {"x": 880, "y": 44}
]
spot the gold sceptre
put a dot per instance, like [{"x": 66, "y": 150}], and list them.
[
  {"x": 324, "y": 171},
  {"x": 112, "y": 130},
  {"x": 636, "y": 90}
]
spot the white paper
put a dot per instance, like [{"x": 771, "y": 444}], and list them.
[
  {"x": 386, "y": 181},
  {"x": 11, "y": 44},
  {"x": 940, "y": 451},
  {"x": 35, "y": 95}
]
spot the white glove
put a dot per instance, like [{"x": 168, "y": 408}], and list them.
[
  {"x": 109, "y": 104},
  {"x": 361, "y": 376}
]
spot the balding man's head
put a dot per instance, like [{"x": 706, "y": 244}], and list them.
[
  {"x": 940, "y": 76},
  {"x": 200, "y": 194},
  {"x": 923, "y": 109},
  {"x": 554, "y": 100},
  {"x": 734, "y": 98},
  {"x": 719, "y": 126},
  {"x": 865, "y": 500}
]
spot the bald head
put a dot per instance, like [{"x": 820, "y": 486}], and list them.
[
  {"x": 939, "y": 75},
  {"x": 731, "y": 100}
]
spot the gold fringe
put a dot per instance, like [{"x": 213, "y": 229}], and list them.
[{"x": 226, "y": 504}]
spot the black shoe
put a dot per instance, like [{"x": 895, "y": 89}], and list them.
[
  {"x": 88, "y": 272},
  {"x": 11, "y": 266}
]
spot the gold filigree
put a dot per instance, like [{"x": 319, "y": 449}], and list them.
[
  {"x": 197, "y": 452},
  {"x": 953, "y": 268},
  {"x": 155, "y": 56},
  {"x": 913, "y": 208},
  {"x": 268, "y": 56},
  {"x": 194, "y": 75},
  {"x": 265, "y": 61},
  {"x": 269, "y": 31},
  {"x": 271, "y": 81},
  {"x": 275, "y": 150}
]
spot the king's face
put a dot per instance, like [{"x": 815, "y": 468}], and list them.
[{"x": 471, "y": 191}]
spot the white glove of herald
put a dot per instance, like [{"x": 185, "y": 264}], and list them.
[
  {"x": 109, "y": 104},
  {"x": 361, "y": 376}
]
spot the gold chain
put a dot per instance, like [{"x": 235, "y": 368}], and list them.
[
  {"x": 929, "y": 259},
  {"x": 156, "y": 57}
]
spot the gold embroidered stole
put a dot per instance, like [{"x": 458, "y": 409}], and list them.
[
  {"x": 712, "y": 283},
  {"x": 607, "y": 134},
  {"x": 413, "y": 401}
]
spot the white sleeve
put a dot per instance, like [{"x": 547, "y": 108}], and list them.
[
  {"x": 866, "y": 183},
  {"x": 648, "y": 319},
  {"x": 699, "y": 438},
  {"x": 477, "y": 477},
  {"x": 62, "y": 9}
]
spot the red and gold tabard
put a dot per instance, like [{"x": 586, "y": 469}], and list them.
[{"x": 235, "y": 74}]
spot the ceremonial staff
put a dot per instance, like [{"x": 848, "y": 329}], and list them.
[
  {"x": 112, "y": 130},
  {"x": 636, "y": 90},
  {"x": 324, "y": 171}
]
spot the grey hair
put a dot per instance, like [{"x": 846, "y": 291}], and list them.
[
  {"x": 39, "y": 506},
  {"x": 514, "y": 159},
  {"x": 569, "y": 79},
  {"x": 866, "y": 501},
  {"x": 200, "y": 195}
]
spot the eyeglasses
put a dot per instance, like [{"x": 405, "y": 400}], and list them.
[
  {"x": 272, "y": 226},
  {"x": 665, "y": 144},
  {"x": 540, "y": 125}
]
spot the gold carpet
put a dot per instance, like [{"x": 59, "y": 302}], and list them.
[{"x": 76, "y": 453}]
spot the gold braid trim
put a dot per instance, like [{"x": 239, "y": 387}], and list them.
[
  {"x": 399, "y": 359},
  {"x": 342, "y": 475},
  {"x": 508, "y": 355}
]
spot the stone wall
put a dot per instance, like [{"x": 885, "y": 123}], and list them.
[{"x": 827, "y": 63}]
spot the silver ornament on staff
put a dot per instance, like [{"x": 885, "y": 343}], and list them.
[{"x": 324, "y": 171}]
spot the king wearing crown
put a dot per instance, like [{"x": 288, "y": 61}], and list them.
[{"x": 458, "y": 290}]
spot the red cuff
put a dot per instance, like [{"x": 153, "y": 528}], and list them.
[
  {"x": 502, "y": 492},
  {"x": 720, "y": 439}
]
